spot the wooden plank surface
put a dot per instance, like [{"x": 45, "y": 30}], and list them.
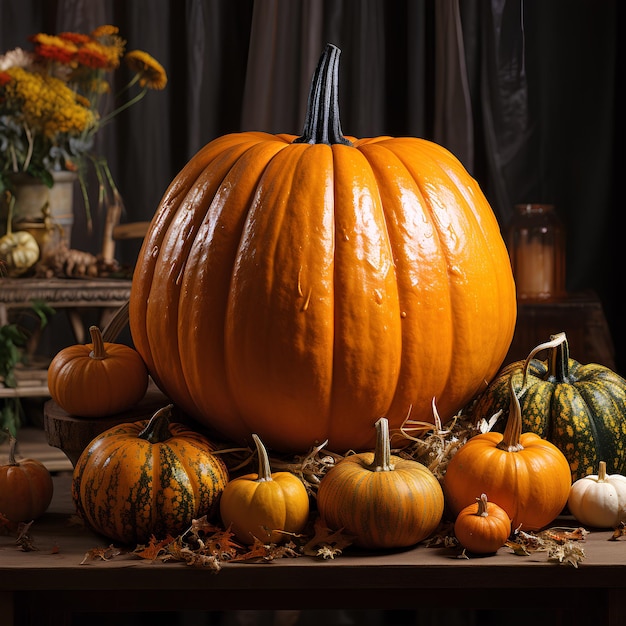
[{"x": 53, "y": 576}]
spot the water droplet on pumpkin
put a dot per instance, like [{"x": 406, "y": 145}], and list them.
[{"x": 155, "y": 252}]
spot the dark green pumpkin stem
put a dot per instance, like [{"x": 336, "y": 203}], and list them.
[
  {"x": 322, "y": 123},
  {"x": 157, "y": 430},
  {"x": 382, "y": 452},
  {"x": 513, "y": 431},
  {"x": 558, "y": 358},
  {"x": 265, "y": 471},
  {"x": 98, "y": 352}
]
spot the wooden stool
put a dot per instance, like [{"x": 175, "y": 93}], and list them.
[{"x": 74, "y": 434}]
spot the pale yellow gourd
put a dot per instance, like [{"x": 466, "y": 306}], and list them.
[
  {"x": 599, "y": 500},
  {"x": 19, "y": 250}
]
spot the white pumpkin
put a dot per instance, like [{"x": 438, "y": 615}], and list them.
[
  {"x": 19, "y": 250},
  {"x": 599, "y": 500}
]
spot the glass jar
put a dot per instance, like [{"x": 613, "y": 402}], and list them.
[{"x": 536, "y": 242}]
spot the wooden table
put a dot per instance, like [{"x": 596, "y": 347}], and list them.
[
  {"x": 69, "y": 294},
  {"x": 49, "y": 585}
]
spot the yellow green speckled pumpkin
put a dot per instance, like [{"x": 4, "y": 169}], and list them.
[
  {"x": 147, "y": 478},
  {"x": 579, "y": 408}
]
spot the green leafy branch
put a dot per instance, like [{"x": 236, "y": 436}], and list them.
[{"x": 13, "y": 339}]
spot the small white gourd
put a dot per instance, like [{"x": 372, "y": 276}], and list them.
[
  {"x": 19, "y": 250},
  {"x": 599, "y": 500}
]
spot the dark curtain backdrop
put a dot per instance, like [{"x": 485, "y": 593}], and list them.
[{"x": 524, "y": 92}]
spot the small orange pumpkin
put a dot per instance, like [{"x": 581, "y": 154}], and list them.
[
  {"x": 261, "y": 505},
  {"x": 482, "y": 527},
  {"x": 97, "y": 379},
  {"x": 382, "y": 500},
  {"x": 527, "y": 476},
  {"x": 26, "y": 487}
]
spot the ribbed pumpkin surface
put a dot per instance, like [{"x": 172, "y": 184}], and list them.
[
  {"x": 382, "y": 509},
  {"x": 302, "y": 290},
  {"x": 128, "y": 489}
]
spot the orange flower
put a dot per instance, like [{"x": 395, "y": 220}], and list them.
[
  {"x": 76, "y": 38},
  {"x": 93, "y": 55},
  {"x": 54, "y": 48},
  {"x": 150, "y": 71}
]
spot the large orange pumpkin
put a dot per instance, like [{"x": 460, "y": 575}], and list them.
[{"x": 301, "y": 288}]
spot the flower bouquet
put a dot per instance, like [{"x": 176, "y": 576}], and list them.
[{"x": 57, "y": 97}]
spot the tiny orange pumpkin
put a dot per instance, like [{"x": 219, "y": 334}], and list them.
[{"x": 482, "y": 527}]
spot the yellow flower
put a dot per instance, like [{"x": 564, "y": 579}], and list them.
[
  {"x": 105, "y": 30},
  {"x": 150, "y": 71},
  {"x": 52, "y": 104},
  {"x": 46, "y": 104}
]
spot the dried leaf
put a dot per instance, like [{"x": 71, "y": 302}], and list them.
[
  {"x": 24, "y": 541},
  {"x": 618, "y": 532},
  {"x": 443, "y": 537},
  {"x": 154, "y": 550},
  {"x": 103, "y": 554},
  {"x": 560, "y": 543},
  {"x": 326, "y": 543},
  {"x": 261, "y": 552},
  {"x": 201, "y": 560},
  {"x": 203, "y": 526},
  {"x": 561, "y": 534},
  {"x": 518, "y": 548},
  {"x": 568, "y": 553},
  {"x": 221, "y": 544}
]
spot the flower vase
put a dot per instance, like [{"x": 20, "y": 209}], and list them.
[{"x": 45, "y": 212}]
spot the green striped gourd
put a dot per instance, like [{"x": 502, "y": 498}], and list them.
[
  {"x": 579, "y": 408},
  {"x": 150, "y": 477}
]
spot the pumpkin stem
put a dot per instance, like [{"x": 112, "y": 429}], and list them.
[
  {"x": 602, "y": 472},
  {"x": 558, "y": 365},
  {"x": 11, "y": 200},
  {"x": 12, "y": 446},
  {"x": 98, "y": 352},
  {"x": 382, "y": 451},
  {"x": 482, "y": 505},
  {"x": 265, "y": 471},
  {"x": 511, "y": 437},
  {"x": 322, "y": 123},
  {"x": 157, "y": 429}
]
